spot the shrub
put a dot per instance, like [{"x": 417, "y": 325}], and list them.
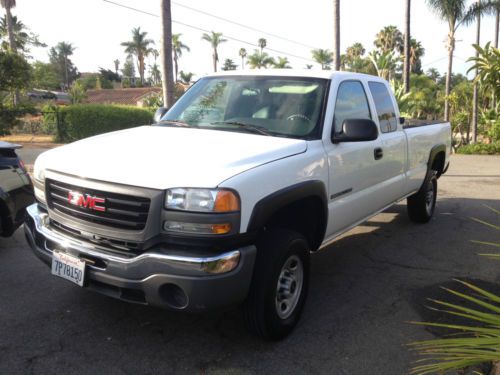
[
  {"x": 480, "y": 148},
  {"x": 85, "y": 120}
]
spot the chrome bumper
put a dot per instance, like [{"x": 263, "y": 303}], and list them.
[{"x": 227, "y": 274}]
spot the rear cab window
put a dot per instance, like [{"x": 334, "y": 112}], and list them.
[{"x": 384, "y": 106}]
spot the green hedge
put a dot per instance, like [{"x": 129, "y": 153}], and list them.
[
  {"x": 80, "y": 121},
  {"x": 480, "y": 148}
]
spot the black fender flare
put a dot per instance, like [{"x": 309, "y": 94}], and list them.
[
  {"x": 435, "y": 150},
  {"x": 265, "y": 208}
]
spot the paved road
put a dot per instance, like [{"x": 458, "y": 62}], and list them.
[
  {"x": 364, "y": 289},
  {"x": 29, "y": 153}
]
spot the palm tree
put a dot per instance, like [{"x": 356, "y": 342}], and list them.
[
  {"x": 487, "y": 65},
  {"x": 406, "y": 66},
  {"x": 323, "y": 57},
  {"x": 117, "y": 65},
  {"x": 177, "y": 47},
  {"x": 243, "y": 54},
  {"x": 65, "y": 50},
  {"x": 139, "y": 46},
  {"x": 23, "y": 38},
  {"x": 456, "y": 13},
  {"x": 260, "y": 60},
  {"x": 282, "y": 63},
  {"x": 384, "y": 62},
  {"x": 389, "y": 39},
  {"x": 262, "y": 43},
  {"x": 356, "y": 50},
  {"x": 8, "y": 5},
  {"x": 214, "y": 39},
  {"x": 416, "y": 54},
  {"x": 166, "y": 57},
  {"x": 336, "y": 35},
  {"x": 433, "y": 74},
  {"x": 186, "y": 77}
]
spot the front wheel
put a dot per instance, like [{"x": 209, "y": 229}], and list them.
[
  {"x": 279, "y": 285},
  {"x": 421, "y": 205}
]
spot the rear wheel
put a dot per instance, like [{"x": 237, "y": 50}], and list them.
[
  {"x": 421, "y": 205},
  {"x": 279, "y": 285}
]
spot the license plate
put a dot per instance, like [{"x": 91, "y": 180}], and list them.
[{"x": 68, "y": 267}]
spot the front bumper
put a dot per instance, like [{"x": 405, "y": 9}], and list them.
[{"x": 159, "y": 277}]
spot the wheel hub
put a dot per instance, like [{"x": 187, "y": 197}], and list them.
[{"x": 289, "y": 286}]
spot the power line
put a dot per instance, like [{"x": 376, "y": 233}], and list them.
[
  {"x": 207, "y": 31},
  {"x": 243, "y": 25}
]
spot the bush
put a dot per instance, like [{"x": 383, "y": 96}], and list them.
[
  {"x": 85, "y": 120},
  {"x": 480, "y": 148}
]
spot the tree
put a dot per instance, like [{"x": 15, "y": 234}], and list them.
[
  {"x": 282, "y": 63},
  {"x": 416, "y": 54},
  {"x": 323, "y": 57},
  {"x": 243, "y": 54},
  {"x": 8, "y": 5},
  {"x": 214, "y": 39},
  {"x": 258, "y": 60},
  {"x": 407, "y": 35},
  {"x": 487, "y": 64},
  {"x": 309, "y": 66},
  {"x": 186, "y": 77},
  {"x": 128, "y": 70},
  {"x": 262, "y": 43},
  {"x": 15, "y": 72},
  {"x": 23, "y": 37},
  {"x": 229, "y": 65},
  {"x": 45, "y": 76},
  {"x": 177, "y": 47},
  {"x": 139, "y": 46},
  {"x": 354, "y": 61},
  {"x": 77, "y": 93},
  {"x": 166, "y": 57},
  {"x": 433, "y": 74},
  {"x": 384, "y": 62},
  {"x": 109, "y": 75},
  {"x": 456, "y": 13},
  {"x": 117, "y": 65},
  {"x": 389, "y": 39},
  {"x": 336, "y": 35},
  {"x": 59, "y": 57}
]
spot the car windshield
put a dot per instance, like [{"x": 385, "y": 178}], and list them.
[{"x": 276, "y": 106}]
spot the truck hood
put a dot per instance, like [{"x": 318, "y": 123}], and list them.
[{"x": 164, "y": 157}]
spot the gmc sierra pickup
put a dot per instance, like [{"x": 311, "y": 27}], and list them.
[{"x": 223, "y": 200}]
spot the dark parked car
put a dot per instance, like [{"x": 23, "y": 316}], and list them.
[{"x": 16, "y": 190}]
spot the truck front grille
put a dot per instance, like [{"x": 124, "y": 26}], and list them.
[{"x": 120, "y": 211}]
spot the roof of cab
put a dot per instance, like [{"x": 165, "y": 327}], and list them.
[{"x": 308, "y": 73}]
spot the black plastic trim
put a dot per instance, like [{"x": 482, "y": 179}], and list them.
[{"x": 266, "y": 207}]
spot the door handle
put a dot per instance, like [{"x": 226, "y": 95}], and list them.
[{"x": 378, "y": 153}]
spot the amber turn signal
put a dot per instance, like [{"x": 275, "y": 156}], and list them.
[{"x": 226, "y": 201}]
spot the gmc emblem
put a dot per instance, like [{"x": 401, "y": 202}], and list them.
[{"x": 86, "y": 201}]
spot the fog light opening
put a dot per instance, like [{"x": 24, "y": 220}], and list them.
[{"x": 174, "y": 296}]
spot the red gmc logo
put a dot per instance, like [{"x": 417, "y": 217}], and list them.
[{"x": 86, "y": 201}]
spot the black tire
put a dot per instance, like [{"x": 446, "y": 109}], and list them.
[
  {"x": 421, "y": 205},
  {"x": 282, "y": 255}
]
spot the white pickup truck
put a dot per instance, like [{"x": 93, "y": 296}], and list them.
[{"x": 223, "y": 200}]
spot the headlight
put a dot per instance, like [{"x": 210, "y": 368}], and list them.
[
  {"x": 202, "y": 200},
  {"x": 39, "y": 184},
  {"x": 39, "y": 174}
]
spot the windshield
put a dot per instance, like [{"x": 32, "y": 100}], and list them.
[{"x": 277, "y": 106}]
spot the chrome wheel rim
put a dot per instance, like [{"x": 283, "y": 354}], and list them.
[
  {"x": 429, "y": 199},
  {"x": 289, "y": 286}
]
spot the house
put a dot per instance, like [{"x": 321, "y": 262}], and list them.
[{"x": 131, "y": 96}]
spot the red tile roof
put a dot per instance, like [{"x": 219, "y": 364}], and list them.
[{"x": 120, "y": 96}]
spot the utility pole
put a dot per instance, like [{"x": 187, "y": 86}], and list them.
[
  {"x": 406, "y": 67},
  {"x": 336, "y": 34}
]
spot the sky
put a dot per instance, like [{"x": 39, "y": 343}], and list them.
[{"x": 292, "y": 28}]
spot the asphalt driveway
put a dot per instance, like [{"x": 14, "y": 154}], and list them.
[{"x": 364, "y": 290}]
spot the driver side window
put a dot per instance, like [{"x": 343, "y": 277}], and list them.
[{"x": 351, "y": 103}]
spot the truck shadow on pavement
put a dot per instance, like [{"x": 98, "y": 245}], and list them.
[{"x": 364, "y": 288}]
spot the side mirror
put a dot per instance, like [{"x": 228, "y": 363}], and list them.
[
  {"x": 357, "y": 130},
  {"x": 159, "y": 114},
  {"x": 402, "y": 120}
]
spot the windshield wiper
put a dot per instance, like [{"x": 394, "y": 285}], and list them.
[
  {"x": 254, "y": 128},
  {"x": 180, "y": 123}
]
